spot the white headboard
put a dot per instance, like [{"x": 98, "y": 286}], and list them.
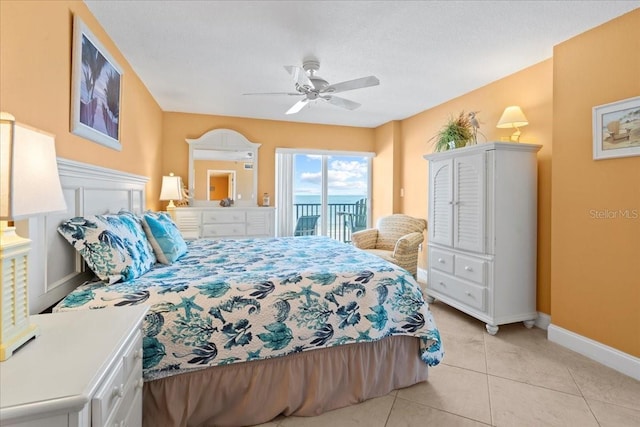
[{"x": 55, "y": 268}]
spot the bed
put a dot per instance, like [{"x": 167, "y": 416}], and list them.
[{"x": 240, "y": 331}]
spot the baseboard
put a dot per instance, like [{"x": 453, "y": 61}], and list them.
[
  {"x": 543, "y": 321},
  {"x": 608, "y": 356}
]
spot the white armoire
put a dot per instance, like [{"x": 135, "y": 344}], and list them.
[{"x": 483, "y": 231}]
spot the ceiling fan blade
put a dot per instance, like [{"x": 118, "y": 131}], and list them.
[
  {"x": 297, "y": 106},
  {"x": 352, "y": 84},
  {"x": 341, "y": 102},
  {"x": 274, "y": 93},
  {"x": 299, "y": 76}
]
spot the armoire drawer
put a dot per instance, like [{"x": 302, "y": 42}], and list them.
[
  {"x": 441, "y": 260},
  {"x": 222, "y": 230},
  {"x": 467, "y": 293},
  {"x": 230, "y": 216},
  {"x": 472, "y": 269}
]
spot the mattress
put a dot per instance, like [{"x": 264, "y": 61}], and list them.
[{"x": 234, "y": 301}]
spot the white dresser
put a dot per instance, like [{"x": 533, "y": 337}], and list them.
[
  {"x": 483, "y": 231},
  {"x": 219, "y": 222},
  {"x": 84, "y": 369}
]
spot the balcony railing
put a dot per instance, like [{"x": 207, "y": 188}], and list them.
[{"x": 337, "y": 227}]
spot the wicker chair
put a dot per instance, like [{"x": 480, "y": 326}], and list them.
[{"x": 396, "y": 239}]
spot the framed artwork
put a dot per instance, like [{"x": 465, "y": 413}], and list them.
[
  {"x": 616, "y": 129},
  {"x": 96, "y": 89}
]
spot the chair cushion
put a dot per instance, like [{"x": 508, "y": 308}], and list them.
[
  {"x": 385, "y": 255},
  {"x": 393, "y": 227}
]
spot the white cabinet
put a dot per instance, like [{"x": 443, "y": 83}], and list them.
[
  {"x": 483, "y": 231},
  {"x": 83, "y": 370},
  {"x": 218, "y": 222}
]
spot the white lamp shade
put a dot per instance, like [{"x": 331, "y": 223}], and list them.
[
  {"x": 30, "y": 182},
  {"x": 512, "y": 117},
  {"x": 171, "y": 188}
]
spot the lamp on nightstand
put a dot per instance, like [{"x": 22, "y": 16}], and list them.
[
  {"x": 29, "y": 186},
  {"x": 171, "y": 190}
]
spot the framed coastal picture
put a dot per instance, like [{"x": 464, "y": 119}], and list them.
[
  {"x": 96, "y": 89},
  {"x": 616, "y": 129}
]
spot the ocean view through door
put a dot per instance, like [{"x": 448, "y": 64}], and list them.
[{"x": 334, "y": 190}]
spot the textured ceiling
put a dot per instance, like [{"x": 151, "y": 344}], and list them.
[{"x": 201, "y": 56}]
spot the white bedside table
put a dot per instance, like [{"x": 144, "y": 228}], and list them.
[{"x": 84, "y": 369}]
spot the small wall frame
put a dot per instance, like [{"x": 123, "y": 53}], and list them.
[{"x": 616, "y": 129}]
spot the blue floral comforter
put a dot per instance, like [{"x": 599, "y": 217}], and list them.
[{"x": 230, "y": 301}]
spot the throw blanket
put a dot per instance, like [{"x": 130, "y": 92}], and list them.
[{"x": 230, "y": 301}]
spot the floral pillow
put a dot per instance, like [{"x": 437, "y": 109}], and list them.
[
  {"x": 114, "y": 247},
  {"x": 164, "y": 236}
]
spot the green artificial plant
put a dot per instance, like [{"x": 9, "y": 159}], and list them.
[{"x": 457, "y": 129}]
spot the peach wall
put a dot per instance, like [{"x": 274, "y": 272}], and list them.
[
  {"x": 271, "y": 134},
  {"x": 595, "y": 261},
  {"x": 35, "y": 86},
  {"x": 532, "y": 89},
  {"x": 386, "y": 171}
]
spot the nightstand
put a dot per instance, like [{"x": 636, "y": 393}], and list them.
[{"x": 84, "y": 369}]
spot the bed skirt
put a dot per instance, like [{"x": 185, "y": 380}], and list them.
[{"x": 301, "y": 384}]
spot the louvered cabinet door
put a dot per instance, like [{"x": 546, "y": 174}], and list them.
[
  {"x": 468, "y": 202},
  {"x": 441, "y": 202}
]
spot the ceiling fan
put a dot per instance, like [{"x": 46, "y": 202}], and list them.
[{"x": 313, "y": 87}]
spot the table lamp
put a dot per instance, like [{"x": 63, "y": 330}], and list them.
[
  {"x": 30, "y": 186},
  {"x": 513, "y": 118},
  {"x": 171, "y": 190}
]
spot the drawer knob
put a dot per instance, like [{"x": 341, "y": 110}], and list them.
[
  {"x": 441, "y": 260},
  {"x": 467, "y": 268},
  {"x": 138, "y": 354},
  {"x": 467, "y": 293},
  {"x": 140, "y": 383},
  {"x": 118, "y": 391},
  {"x": 442, "y": 284}
]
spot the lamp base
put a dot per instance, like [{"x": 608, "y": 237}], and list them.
[
  {"x": 15, "y": 329},
  {"x": 8, "y": 348}
]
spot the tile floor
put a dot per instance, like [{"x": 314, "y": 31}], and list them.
[{"x": 515, "y": 378}]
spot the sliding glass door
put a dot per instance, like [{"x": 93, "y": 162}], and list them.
[{"x": 329, "y": 193}]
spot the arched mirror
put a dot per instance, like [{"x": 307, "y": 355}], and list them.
[{"x": 223, "y": 163}]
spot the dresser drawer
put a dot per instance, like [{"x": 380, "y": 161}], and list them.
[
  {"x": 130, "y": 408},
  {"x": 133, "y": 357},
  {"x": 224, "y": 230},
  {"x": 117, "y": 390},
  {"x": 230, "y": 216},
  {"x": 133, "y": 415},
  {"x": 107, "y": 397},
  {"x": 471, "y": 295},
  {"x": 441, "y": 260},
  {"x": 471, "y": 269}
]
